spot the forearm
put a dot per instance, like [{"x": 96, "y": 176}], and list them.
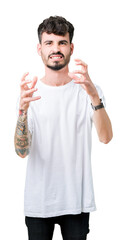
[
  {"x": 102, "y": 122},
  {"x": 22, "y": 138}
]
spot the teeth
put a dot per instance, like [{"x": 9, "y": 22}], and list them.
[{"x": 56, "y": 57}]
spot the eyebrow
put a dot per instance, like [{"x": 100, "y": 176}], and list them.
[
  {"x": 47, "y": 41},
  {"x": 65, "y": 41}
]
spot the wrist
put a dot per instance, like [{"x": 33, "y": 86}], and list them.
[
  {"x": 99, "y": 106},
  {"x": 95, "y": 100},
  {"x": 22, "y": 112}
]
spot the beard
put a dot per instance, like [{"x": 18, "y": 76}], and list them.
[{"x": 56, "y": 66}]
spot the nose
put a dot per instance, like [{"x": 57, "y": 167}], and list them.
[{"x": 56, "y": 48}]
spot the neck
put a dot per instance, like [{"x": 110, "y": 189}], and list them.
[{"x": 56, "y": 78}]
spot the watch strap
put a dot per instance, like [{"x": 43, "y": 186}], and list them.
[{"x": 95, "y": 108}]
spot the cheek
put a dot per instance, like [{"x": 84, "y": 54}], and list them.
[
  {"x": 44, "y": 54},
  {"x": 68, "y": 52},
  {"x": 65, "y": 51}
]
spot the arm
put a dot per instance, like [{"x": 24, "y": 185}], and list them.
[
  {"x": 100, "y": 117},
  {"x": 102, "y": 122},
  {"x": 23, "y": 137}
]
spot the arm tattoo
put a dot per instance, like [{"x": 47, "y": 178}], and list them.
[
  {"x": 23, "y": 137},
  {"x": 22, "y": 151}
]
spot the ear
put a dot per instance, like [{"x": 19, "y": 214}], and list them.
[
  {"x": 72, "y": 48},
  {"x": 39, "y": 49}
]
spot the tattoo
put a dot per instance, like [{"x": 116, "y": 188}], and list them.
[
  {"x": 21, "y": 123},
  {"x": 21, "y": 128},
  {"x": 22, "y": 112},
  {"x": 22, "y": 142},
  {"x": 22, "y": 151},
  {"x": 23, "y": 137}
]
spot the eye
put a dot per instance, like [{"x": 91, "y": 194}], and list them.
[
  {"x": 63, "y": 43},
  {"x": 48, "y": 43}
]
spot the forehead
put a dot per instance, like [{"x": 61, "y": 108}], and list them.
[{"x": 53, "y": 37}]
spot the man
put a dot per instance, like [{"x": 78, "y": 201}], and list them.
[{"x": 54, "y": 128}]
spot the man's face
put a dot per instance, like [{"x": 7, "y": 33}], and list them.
[{"x": 55, "y": 50}]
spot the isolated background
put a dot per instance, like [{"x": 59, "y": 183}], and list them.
[{"x": 101, "y": 41}]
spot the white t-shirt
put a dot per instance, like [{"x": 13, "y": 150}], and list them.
[{"x": 59, "y": 175}]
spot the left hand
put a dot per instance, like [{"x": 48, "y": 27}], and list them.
[{"x": 84, "y": 80}]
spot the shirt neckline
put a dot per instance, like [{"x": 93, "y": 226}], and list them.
[{"x": 56, "y": 87}]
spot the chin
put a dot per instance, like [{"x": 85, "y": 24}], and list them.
[{"x": 56, "y": 67}]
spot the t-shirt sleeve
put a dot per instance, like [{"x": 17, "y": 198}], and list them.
[
  {"x": 29, "y": 116},
  {"x": 101, "y": 96}
]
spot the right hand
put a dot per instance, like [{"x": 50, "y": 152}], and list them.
[{"x": 26, "y": 93}]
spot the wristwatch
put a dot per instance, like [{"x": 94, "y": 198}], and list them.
[{"x": 101, "y": 105}]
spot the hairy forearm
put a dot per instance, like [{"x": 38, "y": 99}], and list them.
[{"x": 22, "y": 138}]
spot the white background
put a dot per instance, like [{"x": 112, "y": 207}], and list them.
[{"x": 101, "y": 41}]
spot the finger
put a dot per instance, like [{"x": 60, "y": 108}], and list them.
[
  {"x": 28, "y": 92},
  {"x": 73, "y": 76},
  {"x": 80, "y": 62},
  {"x": 34, "y": 82},
  {"x": 77, "y": 59},
  {"x": 24, "y": 75},
  {"x": 30, "y": 99},
  {"x": 25, "y": 82},
  {"x": 79, "y": 71}
]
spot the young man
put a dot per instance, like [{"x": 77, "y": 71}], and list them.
[{"x": 54, "y": 128}]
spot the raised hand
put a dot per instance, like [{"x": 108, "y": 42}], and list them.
[
  {"x": 26, "y": 93},
  {"x": 84, "y": 79}
]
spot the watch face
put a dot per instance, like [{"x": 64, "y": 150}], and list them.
[{"x": 101, "y": 105}]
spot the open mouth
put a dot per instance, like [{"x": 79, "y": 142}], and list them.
[{"x": 56, "y": 57}]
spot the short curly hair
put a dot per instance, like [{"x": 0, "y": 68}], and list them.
[{"x": 56, "y": 25}]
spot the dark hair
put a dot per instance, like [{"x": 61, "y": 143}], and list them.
[{"x": 57, "y": 25}]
